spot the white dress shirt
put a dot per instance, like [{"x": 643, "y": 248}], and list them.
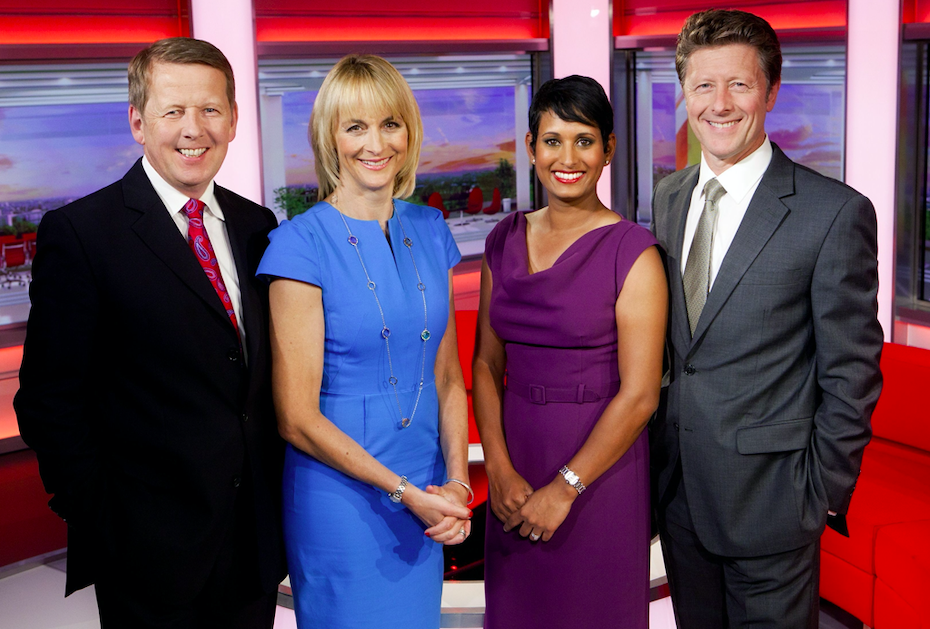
[
  {"x": 214, "y": 222},
  {"x": 740, "y": 181}
]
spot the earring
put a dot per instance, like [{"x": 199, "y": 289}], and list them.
[
  {"x": 607, "y": 163},
  {"x": 534, "y": 160}
]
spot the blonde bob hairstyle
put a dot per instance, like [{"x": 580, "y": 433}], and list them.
[{"x": 363, "y": 83}]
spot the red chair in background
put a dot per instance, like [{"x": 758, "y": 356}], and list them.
[
  {"x": 495, "y": 205},
  {"x": 12, "y": 254},
  {"x": 435, "y": 200},
  {"x": 475, "y": 201},
  {"x": 473, "y": 206},
  {"x": 29, "y": 239}
]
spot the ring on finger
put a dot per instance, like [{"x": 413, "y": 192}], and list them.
[
  {"x": 534, "y": 537},
  {"x": 463, "y": 533}
]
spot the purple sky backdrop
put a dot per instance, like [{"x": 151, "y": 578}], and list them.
[
  {"x": 663, "y": 125},
  {"x": 463, "y": 130},
  {"x": 807, "y": 123},
  {"x": 63, "y": 150},
  {"x": 72, "y": 150}
]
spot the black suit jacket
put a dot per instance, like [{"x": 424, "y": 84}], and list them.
[
  {"x": 147, "y": 423},
  {"x": 768, "y": 410}
]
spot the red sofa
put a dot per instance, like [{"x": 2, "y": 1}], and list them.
[{"x": 881, "y": 572}]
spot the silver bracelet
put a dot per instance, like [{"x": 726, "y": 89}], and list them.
[
  {"x": 471, "y": 494},
  {"x": 398, "y": 494},
  {"x": 572, "y": 479}
]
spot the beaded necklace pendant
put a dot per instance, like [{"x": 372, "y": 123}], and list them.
[{"x": 385, "y": 330}]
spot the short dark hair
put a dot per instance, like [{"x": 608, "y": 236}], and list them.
[
  {"x": 175, "y": 50},
  {"x": 573, "y": 99},
  {"x": 722, "y": 27}
]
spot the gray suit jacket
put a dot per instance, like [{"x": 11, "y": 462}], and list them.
[{"x": 769, "y": 405}]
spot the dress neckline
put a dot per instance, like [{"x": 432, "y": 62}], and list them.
[
  {"x": 526, "y": 249},
  {"x": 363, "y": 220}
]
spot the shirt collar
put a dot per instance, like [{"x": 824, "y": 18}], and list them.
[
  {"x": 173, "y": 199},
  {"x": 741, "y": 178}
]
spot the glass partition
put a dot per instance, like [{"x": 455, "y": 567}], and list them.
[
  {"x": 65, "y": 133},
  {"x": 473, "y": 164},
  {"x": 808, "y": 121}
]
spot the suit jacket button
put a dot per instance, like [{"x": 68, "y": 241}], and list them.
[
  {"x": 233, "y": 354},
  {"x": 675, "y": 425},
  {"x": 236, "y": 482},
  {"x": 689, "y": 369},
  {"x": 245, "y": 417}
]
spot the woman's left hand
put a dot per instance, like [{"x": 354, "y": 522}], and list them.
[
  {"x": 544, "y": 511},
  {"x": 450, "y": 530}
]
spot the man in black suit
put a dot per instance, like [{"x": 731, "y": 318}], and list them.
[
  {"x": 774, "y": 346},
  {"x": 145, "y": 384}
]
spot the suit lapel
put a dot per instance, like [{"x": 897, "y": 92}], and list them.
[
  {"x": 160, "y": 234},
  {"x": 679, "y": 202},
  {"x": 765, "y": 213},
  {"x": 238, "y": 240}
]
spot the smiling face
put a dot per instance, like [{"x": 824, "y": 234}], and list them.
[
  {"x": 726, "y": 97},
  {"x": 187, "y": 124},
  {"x": 371, "y": 150},
  {"x": 569, "y": 157}
]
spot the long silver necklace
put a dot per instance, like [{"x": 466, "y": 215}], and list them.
[{"x": 385, "y": 330}]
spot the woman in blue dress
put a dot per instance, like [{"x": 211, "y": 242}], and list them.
[{"x": 368, "y": 388}]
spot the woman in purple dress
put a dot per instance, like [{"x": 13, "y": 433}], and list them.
[{"x": 573, "y": 312}]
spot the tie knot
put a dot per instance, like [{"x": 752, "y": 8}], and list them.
[
  {"x": 713, "y": 190},
  {"x": 194, "y": 208}
]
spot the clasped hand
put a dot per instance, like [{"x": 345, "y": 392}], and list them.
[
  {"x": 443, "y": 510},
  {"x": 537, "y": 513}
]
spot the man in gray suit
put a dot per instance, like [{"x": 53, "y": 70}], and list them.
[{"x": 773, "y": 343}]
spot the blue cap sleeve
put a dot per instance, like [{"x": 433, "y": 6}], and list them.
[
  {"x": 292, "y": 254},
  {"x": 445, "y": 240}
]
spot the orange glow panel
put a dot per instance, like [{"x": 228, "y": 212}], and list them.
[{"x": 10, "y": 359}]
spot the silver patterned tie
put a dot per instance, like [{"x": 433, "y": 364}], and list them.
[{"x": 697, "y": 268}]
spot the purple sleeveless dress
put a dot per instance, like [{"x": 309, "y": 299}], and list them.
[{"x": 560, "y": 335}]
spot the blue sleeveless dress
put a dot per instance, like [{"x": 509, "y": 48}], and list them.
[{"x": 355, "y": 558}]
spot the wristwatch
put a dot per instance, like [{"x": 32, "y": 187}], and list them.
[
  {"x": 398, "y": 494},
  {"x": 572, "y": 479}
]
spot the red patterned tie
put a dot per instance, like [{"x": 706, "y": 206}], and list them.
[{"x": 203, "y": 249}]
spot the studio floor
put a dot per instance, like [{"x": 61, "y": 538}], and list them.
[{"x": 33, "y": 599}]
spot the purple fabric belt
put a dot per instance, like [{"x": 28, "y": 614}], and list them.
[{"x": 539, "y": 394}]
